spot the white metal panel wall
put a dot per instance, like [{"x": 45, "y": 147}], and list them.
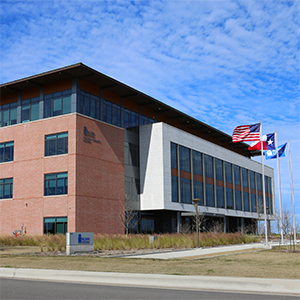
[
  {"x": 155, "y": 162},
  {"x": 151, "y": 167}
]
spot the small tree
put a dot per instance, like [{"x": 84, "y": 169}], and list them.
[
  {"x": 128, "y": 217},
  {"x": 260, "y": 213},
  {"x": 287, "y": 220},
  {"x": 201, "y": 218}
]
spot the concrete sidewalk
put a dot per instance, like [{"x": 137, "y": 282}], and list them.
[
  {"x": 209, "y": 251},
  {"x": 233, "y": 284}
]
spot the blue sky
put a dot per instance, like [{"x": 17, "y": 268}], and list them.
[{"x": 226, "y": 63}]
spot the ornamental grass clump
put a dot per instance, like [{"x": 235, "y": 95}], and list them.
[{"x": 57, "y": 242}]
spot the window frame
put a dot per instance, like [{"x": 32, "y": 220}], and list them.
[
  {"x": 56, "y": 138},
  {"x": 7, "y": 148},
  {"x": 4, "y": 184},
  {"x": 55, "y": 178},
  {"x": 52, "y": 99}
]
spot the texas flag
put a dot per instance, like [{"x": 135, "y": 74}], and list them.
[{"x": 268, "y": 143}]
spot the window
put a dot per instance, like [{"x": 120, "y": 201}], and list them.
[
  {"x": 209, "y": 192},
  {"x": 57, "y": 104},
  {"x": 220, "y": 197},
  {"x": 229, "y": 198},
  {"x": 184, "y": 156},
  {"x": 8, "y": 114},
  {"x": 30, "y": 110},
  {"x": 56, "y": 184},
  {"x": 57, "y": 225},
  {"x": 238, "y": 200},
  {"x": 145, "y": 120},
  {"x": 6, "y": 152},
  {"x": 270, "y": 185},
  {"x": 111, "y": 113},
  {"x": 228, "y": 172},
  {"x": 173, "y": 156},
  {"x": 258, "y": 181},
  {"x": 208, "y": 160},
  {"x": 130, "y": 118},
  {"x": 260, "y": 205},
  {"x": 237, "y": 178},
  {"x": 6, "y": 188},
  {"x": 198, "y": 190},
  {"x": 197, "y": 163},
  {"x": 174, "y": 189},
  {"x": 253, "y": 203},
  {"x": 131, "y": 154},
  {"x": 246, "y": 201},
  {"x": 56, "y": 144},
  {"x": 270, "y": 206},
  {"x": 266, "y": 185},
  {"x": 132, "y": 189},
  {"x": 252, "y": 180},
  {"x": 219, "y": 169},
  {"x": 185, "y": 190},
  {"x": 245, "y": 177},
  {"x": 89, "y": 105}
]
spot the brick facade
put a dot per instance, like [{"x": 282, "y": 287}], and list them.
[{"x": 95, "y": 176}]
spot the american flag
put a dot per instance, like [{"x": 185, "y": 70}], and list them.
[{"x": 245, "y": 133}]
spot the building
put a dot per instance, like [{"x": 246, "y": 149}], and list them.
[{"x": 79, "y": 149}]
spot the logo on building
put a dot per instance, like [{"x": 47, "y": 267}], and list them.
[{"x": 89, "y": 136}]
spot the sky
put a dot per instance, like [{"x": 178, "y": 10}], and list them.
[{"x": 226, "y": 63}]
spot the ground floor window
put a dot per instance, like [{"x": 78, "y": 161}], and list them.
[{"x": 56, "y": 225}]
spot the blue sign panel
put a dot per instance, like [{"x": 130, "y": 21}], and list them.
[{"x": 80, "y": 238}]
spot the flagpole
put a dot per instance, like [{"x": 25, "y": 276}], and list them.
[
  {"x": 292, "y": 191},
  {"x": 279, "y": 187},
  {"x": 263, "y": 183}
]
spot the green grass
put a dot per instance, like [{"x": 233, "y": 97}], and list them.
[{"x": 123, "y": 242}]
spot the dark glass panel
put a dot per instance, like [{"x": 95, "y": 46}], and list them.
[
  {"x": 25, "y": 113},
  {"x": 52, "y": 147},
  {"x": 185, "y": 190},
  {"x": 34, "y": 111},
  {"x": 47, "y": 108},
  {"x": 253, "y": 202},
  {"x": 220, "y": 197},
  {"x": 198, "y": 190},
  {"x": 13, "y": 115},
  {"x": 208, "y": 160},
  {"x": 173, "y": 156},
  {"x": 184, "y": 155},
  {"x": 246, "y": 201},
  {"x": 229, "y": 198},
  {"x": 228, "y": 172},
  {"x": 219, "y": 169},
  {"x": 66, "y": 104},
  {"x": 238, "y": 200},
  {"x": 57, "y": 106},
  {"x": 237, "y": 179},
  {"x": 60, "y": 186},
  {"x": 252, "y": 180},
  {"x": 197, "y": 162},
  {"x": 209, "y": 192}
]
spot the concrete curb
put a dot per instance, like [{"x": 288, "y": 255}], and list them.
[{"x": 253, "y": 285}]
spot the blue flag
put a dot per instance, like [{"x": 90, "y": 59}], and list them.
[{"x": 273, "y": 153}]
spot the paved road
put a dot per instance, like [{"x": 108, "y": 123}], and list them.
[{"x": 14, "y": 289}]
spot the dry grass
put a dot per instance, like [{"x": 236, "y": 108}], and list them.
[
  {"x": 263, "y": 264},
  {"x": 122, "y": 242}
]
